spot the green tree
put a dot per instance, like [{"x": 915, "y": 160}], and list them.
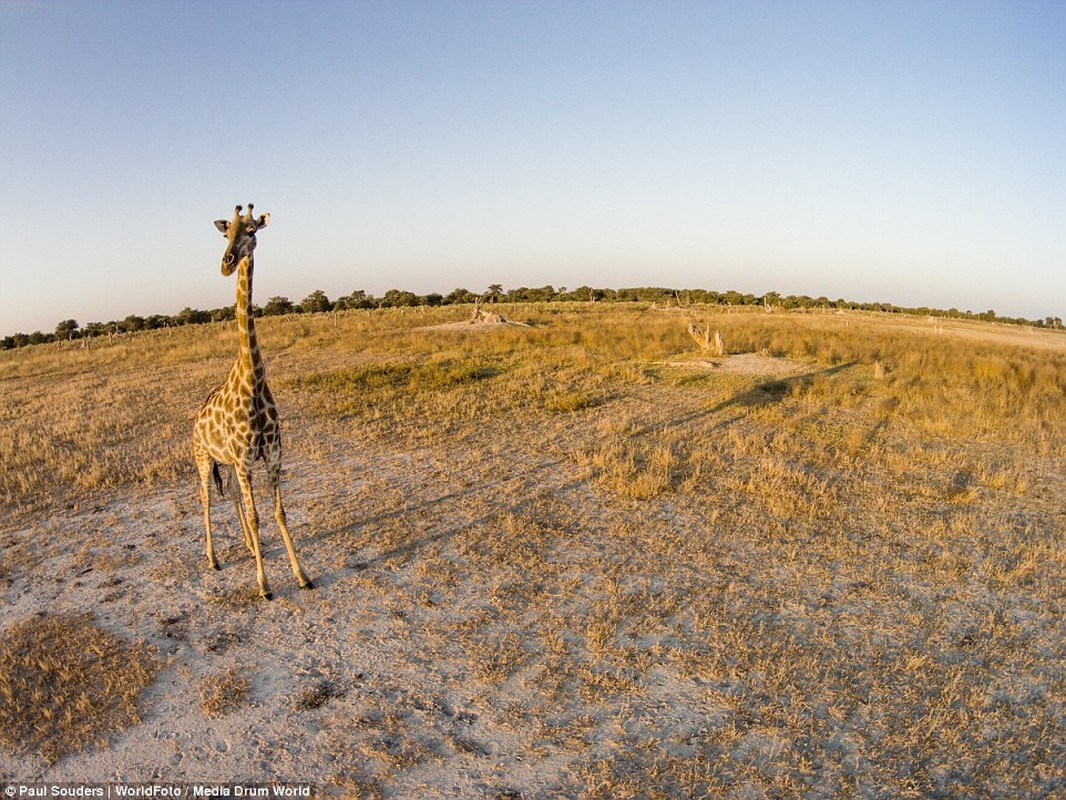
[
  {"x": 397, "y": 298},
  {"x": 278, "y": 305},
  {"x": 357, "y": 299},
  {"x": 131, "y": 323},
  {"x": 66, "y": 330},
  {"x": 316, "y": 302},
  {"x": 226, "y": 314},
  {"x": 190, "y": 316},
  {"x": 459, "y": 296}
]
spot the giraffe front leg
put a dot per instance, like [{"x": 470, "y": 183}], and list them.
[
  {"x": 204, "y": 468},
  {"x": 279, "y": 515},
  {"x": 252, "y": 518}
]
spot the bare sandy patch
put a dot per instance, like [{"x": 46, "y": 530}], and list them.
[
  {"x": 488, "y": 322},
  {"x": 748, "y": 364}
]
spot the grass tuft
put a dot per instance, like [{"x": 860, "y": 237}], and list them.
[
  {"x": 317, "y": 695},
  {"x": 67, "y": 684},
  {"x": 223, "y": 692}
]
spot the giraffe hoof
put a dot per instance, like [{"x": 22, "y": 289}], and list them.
[
  {"x": 267, "y": 596},
  {"x": 307, "y": 585},
  {"x": 213, "y": 565}
]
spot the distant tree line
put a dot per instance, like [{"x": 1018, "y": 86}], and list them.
[{"x": 318, "y": 302}]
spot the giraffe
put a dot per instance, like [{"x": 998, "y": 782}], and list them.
[{"x": 238, "y": 423}]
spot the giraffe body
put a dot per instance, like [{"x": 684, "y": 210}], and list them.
[{"x": 238, "y": 423}]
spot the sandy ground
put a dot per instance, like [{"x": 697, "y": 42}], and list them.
[
  {"x": 490, "y": 322},
  {"x": 748, "y": 364},
  {"x": 351, "y": 681},
  {"x": 138, "y": 563}
]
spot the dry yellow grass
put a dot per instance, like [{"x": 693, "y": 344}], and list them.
[
  {"x": 223, "y": 692},
  {"x": 66, "y": 684},
  {"x": 832, "y": 566}
]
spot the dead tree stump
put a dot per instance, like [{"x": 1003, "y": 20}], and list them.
[{"x": 702, "y": 338}]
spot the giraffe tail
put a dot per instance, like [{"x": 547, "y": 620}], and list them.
[
  {"x": 227, "y": 488},
  {"x": 218, "y": 479}
]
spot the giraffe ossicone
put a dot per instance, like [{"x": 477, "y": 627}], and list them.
[{"x": 238, "y": 423}]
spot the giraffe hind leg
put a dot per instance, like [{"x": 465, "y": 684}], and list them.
[{"x": 233, "y": 491}]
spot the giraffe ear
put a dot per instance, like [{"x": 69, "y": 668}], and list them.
[
  {"x": 222, "y": 226},
  {"x": 263, "y": 221}
]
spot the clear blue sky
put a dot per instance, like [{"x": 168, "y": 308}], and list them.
[{"x": 902, "y": 151}]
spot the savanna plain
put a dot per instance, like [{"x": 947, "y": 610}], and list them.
[{"x": 580, "y": 557}]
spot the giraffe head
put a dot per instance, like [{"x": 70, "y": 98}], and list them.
[{"x": 240, "y": 237}]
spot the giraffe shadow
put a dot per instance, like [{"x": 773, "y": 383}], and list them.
[
  {"x": 776, "y": 390},
  {"x": 356, "y": 563},
  {"x": 762, "y": 394},
  {"x": 424, "y": 505}
]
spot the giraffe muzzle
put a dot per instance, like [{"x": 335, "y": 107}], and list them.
[{"x": 229, "y": 263}]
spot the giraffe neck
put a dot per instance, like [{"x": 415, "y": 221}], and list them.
[{"x": 248, "y": 356}]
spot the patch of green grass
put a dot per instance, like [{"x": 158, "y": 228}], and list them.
[{"x": 417, "y": 376}]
